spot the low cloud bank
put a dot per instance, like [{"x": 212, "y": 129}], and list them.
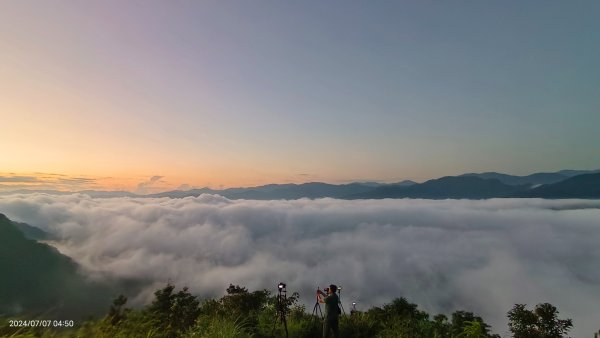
[{"x": 481, "y": 256}]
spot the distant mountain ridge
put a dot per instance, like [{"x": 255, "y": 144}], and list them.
[
  {"x": 280, "y": 191},
  {"x": 449, "y": 187},
  {"x": 466, "y": 186},
  {"x": 533, "y": 179},
  {"x": 580, "y": 186}
]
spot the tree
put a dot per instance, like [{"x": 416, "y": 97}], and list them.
[
  {"x": 173, "y": 312},
  {"x": 467, "y": 324},
  {"x": 542, "y": 322},
  {"x": 117, "y": 312},
  {"x": 472, "y": 329},
  {"x": 400, "y": 318},
  {"x": 441, "y": 327},
  {"x": 239, "y": 302}
]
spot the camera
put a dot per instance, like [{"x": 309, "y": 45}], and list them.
[{"x": 326, "y": 290}]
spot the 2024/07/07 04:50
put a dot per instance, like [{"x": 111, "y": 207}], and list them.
[{"x": 41, "y": 323}]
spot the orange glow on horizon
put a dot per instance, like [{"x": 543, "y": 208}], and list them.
[{"x": 141, "y": 184}]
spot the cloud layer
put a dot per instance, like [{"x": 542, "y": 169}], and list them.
[{"x": 481, "y": 256}]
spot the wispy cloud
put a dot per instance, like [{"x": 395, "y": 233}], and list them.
[
  {"x": 482, "y": 256},
  {"x": 19, "y": 179},
  {"x": 46, "y": 181},
  {"x": 185, "y": 187},
  {"x": 77, "y": 180},
  {"x": 149, "y": 186}
]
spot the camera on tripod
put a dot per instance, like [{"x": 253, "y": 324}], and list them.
[
  {"x": 339, "y": 288},
  {"x": 281, "y": 307}
]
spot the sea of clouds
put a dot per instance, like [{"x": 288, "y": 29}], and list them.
[{"x": 482, "y": 256}]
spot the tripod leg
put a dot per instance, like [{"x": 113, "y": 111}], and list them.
[
  {"x": 319, "y": 312},
  {"x": 284, "y": 325},
  {"x": 340, "y": 301},
  {"x": 278, "y": 314}
]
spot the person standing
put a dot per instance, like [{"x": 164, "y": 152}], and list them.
[{"x": 332, "y": 312}]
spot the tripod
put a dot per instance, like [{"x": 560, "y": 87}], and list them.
[
  {"x": 340, "y": 300},
  {"x": 317, "y": 309},
  {"x": 281, "y": 308}
]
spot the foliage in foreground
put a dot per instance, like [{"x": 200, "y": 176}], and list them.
[{"x": 244, "y": 314}]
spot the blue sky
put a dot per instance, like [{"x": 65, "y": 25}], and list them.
[{"x": 242, "y": 93}]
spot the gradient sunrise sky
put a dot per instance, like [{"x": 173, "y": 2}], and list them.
[{"x": 158, "y": 95}]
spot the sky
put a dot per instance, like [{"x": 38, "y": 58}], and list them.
[
  {"x": 158, "y": 95},
  {"x": 479, "y": 256}
]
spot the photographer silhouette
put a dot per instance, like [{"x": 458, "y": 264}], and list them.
[{"x": 332, "y": 311}]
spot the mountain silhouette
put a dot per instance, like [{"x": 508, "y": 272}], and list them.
[
  {"x": 533, "y": 179},
  {"x": 280, "y": 191},
  {"x": 468, "y": 187}
]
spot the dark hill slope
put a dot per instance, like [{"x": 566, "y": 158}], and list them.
[
  {"x": 37, "y": 279},
  {"x": 30, "y": 232}
]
